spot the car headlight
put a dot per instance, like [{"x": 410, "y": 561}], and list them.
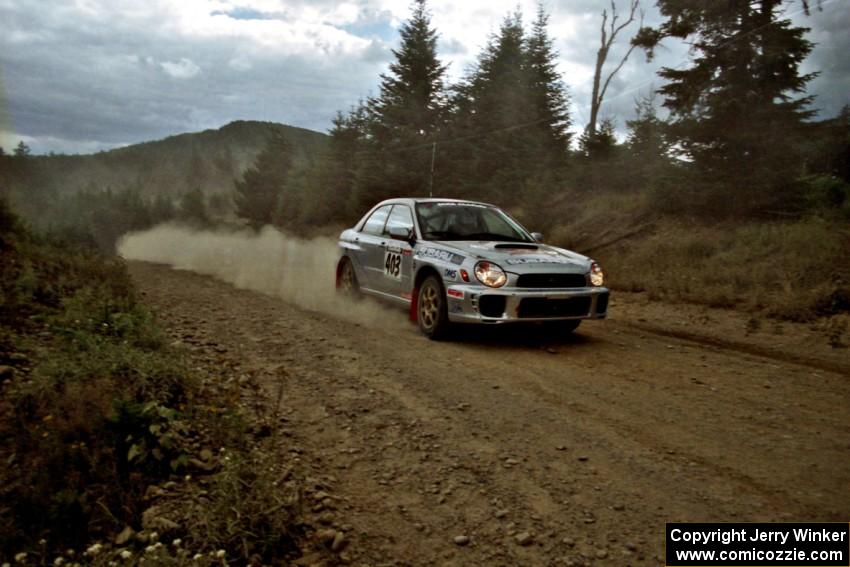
[
  {"x": 597, "y": 277},
  {"x": 490, "y": 274}
]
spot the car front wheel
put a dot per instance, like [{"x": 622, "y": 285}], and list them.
[{"x": 431, "y": 310}]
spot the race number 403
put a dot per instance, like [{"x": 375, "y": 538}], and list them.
[{"x": 392, "y": 265}]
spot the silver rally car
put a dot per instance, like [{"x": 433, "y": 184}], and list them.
[{"x": 454, "y": 261}]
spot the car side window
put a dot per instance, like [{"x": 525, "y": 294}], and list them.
[
  {"x": 375, "y": 223},
  {"x": 399, "y": 217}
]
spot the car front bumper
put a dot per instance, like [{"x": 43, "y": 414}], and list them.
[{"x": 476, "y": 304}]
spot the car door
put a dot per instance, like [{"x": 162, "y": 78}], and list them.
[
  {"x": 398, "y": 254},
  {"x": 372, "y": 243}
]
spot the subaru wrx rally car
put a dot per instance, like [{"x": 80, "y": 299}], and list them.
[{"x": 454, "y": 261}]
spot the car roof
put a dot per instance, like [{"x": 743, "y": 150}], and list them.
[{"x": 414, "y": 200}]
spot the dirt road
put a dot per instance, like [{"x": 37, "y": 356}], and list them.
[{"x": 538, "y": 450}]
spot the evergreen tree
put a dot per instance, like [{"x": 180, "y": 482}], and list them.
[
  {"x": 548, "y": 93},
  {"x": 734, "y": 114},
  {"x": 496, "y": 117},
  {"x": 162, "y": 209},
  {"x": 512, "y": 117},
  {"x": 25, "y": 183},
  {"x": 259, "y": 192},
  {"x": 192, "y": 208},
  {"x": 604, "y": 165},
  {"x": 403, "y": 121},
  {"x": 411, "y": 104},
  {"x": 648, "y": 146},
  {"x": 647, "y": 140},
  {"x": 22, "y": 150},
  {"x": 602, "y": 144},
  {"x": 219, "y": 205},
  {"x": 346, "y": 148}
]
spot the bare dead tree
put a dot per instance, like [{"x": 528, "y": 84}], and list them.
[
  {"x": 609, "y": 32},
  {"x": 807, "y": 6}
]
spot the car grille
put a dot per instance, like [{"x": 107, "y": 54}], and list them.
[
  {"x": 551, "y": 280},
  {"x": 539, "y": 307}
]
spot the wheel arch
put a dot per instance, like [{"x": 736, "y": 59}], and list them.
[
  {"x": 421, "y": 274},
  {"x": 339, "y": 266}
]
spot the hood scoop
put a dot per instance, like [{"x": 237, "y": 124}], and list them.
[{"x": 516, "y": 246}]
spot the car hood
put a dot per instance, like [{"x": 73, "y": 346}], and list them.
[{"x": 521, "y": 257}]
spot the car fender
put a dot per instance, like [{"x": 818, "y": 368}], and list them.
[
  {"x": 443, "y": 261},
  {"x": 421, "y": 271}
]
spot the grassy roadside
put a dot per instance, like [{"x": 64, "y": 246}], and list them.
[
  {"x": 793, "y": 269},
  {"x": 113, "y": 449},
  {"x": 789, "y": 270}
]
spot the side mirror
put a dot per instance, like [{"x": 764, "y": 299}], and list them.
[
  {"x": 401, "y": 233},
  {"x": 537, "y": 236}
]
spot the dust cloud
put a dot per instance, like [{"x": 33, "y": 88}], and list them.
[{"x": 298, "y": 271}]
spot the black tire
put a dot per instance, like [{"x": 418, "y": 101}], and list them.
[
  {"x": 348, "y": 285},
  {"x": 431, "y": 309}
]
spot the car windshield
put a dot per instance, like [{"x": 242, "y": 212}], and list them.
[{"x": 467, "y": 221}]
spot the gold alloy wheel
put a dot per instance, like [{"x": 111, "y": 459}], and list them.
[{"x": 429, "y": 305}]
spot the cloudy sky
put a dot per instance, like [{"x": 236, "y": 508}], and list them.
[{"x": 79, "y": 76}]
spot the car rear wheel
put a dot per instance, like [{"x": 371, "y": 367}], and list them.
[
  {"x": 348, "y": 285},
  {"x": 431, "y": 310}
]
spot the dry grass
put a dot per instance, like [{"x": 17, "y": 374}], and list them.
[{"x": 794, "y": 269}]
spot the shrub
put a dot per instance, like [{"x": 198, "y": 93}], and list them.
[
  {"x": 86, "y": 423},
  {"x": 99, "y": 409}
]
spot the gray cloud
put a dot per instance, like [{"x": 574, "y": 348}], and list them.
[
  {"x": 79, "y": 80},
  {"x": 99, "y": 86},
  {"x": 829, "y": 57}
]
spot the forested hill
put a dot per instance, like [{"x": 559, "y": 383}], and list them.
[{"x": 208, "y": 160}]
